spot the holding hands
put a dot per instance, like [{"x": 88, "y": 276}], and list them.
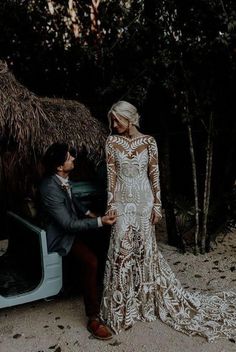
[{"x": 109, "y": 218}]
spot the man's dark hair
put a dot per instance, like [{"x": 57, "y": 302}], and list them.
[{"x": 55, "y": 156}]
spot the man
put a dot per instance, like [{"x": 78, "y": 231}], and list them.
[{"x": 67, "y": 225}]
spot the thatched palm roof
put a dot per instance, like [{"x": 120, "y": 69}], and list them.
[
  {"x": 29, "y": 124},
  {"x": 34, "y": 122}
]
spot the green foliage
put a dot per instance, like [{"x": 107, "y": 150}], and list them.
[
  {"x": 172, "y": 57},
  {"x": 137, "y": 44}
]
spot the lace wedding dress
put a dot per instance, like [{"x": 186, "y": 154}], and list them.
[{"x": 138, "y": 282}]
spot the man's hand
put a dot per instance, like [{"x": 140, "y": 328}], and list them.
[{"x": 109, "y": 219}]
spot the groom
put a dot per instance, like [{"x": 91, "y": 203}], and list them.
[{"x": 67, "y": 225}]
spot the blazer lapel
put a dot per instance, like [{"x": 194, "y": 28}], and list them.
[{"x": 69, "y": 201}]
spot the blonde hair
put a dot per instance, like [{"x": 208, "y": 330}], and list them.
[{"x": 126, "y": 110}]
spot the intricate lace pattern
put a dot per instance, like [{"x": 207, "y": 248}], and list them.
[{"x": 138, "y": 283}]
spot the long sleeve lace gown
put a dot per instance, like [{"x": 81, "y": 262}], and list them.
[{"x": 139, "y": 285}]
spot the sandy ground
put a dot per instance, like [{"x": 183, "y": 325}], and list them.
[{"x": 59, "y": 325}]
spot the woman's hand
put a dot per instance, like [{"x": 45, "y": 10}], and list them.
[
  {"x": 155, "y": 217},
  {"x": 112, "y": 212}
]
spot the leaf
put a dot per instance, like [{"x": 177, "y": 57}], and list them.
[
  {"x": 58, "y": 349},
  {"x": 61, "y": 327},
  {"x": 16, "y": 336},
  {"x": 115, "y": 343}
]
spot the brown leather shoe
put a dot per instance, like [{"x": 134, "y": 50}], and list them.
[{"x": 99, "y": 330}]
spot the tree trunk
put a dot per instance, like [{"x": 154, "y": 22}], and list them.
[
  {"x": 195, "y": 186},
  {"x": 205, "y": 240}
]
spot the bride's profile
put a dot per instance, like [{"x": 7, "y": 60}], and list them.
[{"x": 139, "y": 285}]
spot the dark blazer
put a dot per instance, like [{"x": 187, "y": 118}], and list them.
[{"x": 63, "y": 220}]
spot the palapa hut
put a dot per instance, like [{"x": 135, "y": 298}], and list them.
[{"x": 29, "y": 124}]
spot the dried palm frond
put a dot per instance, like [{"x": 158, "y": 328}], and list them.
[{"x": 29, "y": 124}]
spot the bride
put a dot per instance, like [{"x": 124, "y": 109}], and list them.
[{"x": 139, "y": 285}]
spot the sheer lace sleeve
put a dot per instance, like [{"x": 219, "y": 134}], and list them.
[
  {"x": 111, "y": 173},
  {"x": 153, "y": 172}
]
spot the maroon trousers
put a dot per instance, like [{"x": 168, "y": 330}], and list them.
[{"x": 84, "y": 256}]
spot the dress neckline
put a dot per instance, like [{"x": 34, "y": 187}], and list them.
[{"x": 132, "y": 138}]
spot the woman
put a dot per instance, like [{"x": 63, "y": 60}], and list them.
[{"x": 138, "y": 283}]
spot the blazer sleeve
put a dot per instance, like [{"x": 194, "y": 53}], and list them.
[{"x": 53, "y": 203}]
